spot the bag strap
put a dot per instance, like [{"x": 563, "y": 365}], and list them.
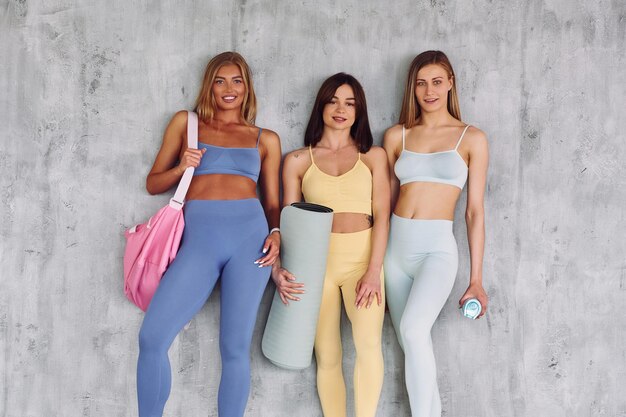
[{"x": 177, "y": 201}]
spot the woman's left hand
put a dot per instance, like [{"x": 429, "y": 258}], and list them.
[
  {"x": 367, "y": 288},
  {"x": 271, "y": 248},
  {"x": 476, "y": 291}
]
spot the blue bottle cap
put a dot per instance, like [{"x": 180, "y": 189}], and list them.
[{"x": 471, "y": 308}]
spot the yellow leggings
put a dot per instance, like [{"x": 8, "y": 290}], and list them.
[{"x": 348, "y": 259}]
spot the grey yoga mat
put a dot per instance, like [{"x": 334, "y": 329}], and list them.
[{"x": 290, "y": 330}]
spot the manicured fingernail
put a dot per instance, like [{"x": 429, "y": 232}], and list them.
[
  {"x": 256, "y": 262},
  {"x": 264, "y": 250}
]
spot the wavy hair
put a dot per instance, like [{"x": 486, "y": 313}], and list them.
[{"x": 205, "y": 103}]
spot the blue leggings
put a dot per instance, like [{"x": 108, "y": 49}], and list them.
[{"x": 222, "y": 238}]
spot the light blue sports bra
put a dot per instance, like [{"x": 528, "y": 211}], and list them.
[
  {"x": 235, "y": 161},
  {"x": 446, "y": 167}
]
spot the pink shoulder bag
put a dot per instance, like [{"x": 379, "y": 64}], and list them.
[{"x": 152, "y": 246}]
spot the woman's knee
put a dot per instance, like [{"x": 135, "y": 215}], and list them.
[
  {"x": 414, "y": 332},
  {"x": 368, "y": 342},
  {"x": 234, "y": 347},
  {"x": 152, "y": 340},
  {"x": 327, "y": 356}
]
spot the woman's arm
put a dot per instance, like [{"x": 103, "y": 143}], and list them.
[
  {"x": 370, "y": 286},
  {"x": 269, "y": 179},
  {"x": 392, "y": 143},
  {"x": 293, "y": 169},
  {"x": 475, "y": 214},
  {"x": 165, "y": 173}
]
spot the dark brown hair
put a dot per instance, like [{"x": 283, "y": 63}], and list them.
[
  {"x": 360, "y": 130},
  {"x": 411, "y": 111}
]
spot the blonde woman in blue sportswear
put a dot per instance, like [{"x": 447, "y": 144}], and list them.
[{"x": 432, "y": 153}]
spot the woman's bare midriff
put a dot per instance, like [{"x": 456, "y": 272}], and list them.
[
  {"x": 351, "y": 222},
  {"x": 221, "y": 187},
  {"x": 427, "y": 201}
]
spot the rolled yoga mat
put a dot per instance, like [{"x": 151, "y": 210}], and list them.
[{"x": 290, "y": 330}]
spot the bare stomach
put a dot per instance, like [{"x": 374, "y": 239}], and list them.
[
  {"x": 221, "y": 187},
  {"x": 351, "y": 222},
  {"x": 427, "y": 200}
]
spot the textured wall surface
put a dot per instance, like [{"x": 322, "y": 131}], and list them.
[{"x": 88, "y": 86}]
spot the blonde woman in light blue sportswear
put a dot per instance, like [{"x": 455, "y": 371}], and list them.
[{"x": 432, "y": 153}]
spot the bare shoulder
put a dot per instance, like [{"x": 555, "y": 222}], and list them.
[
  {"x": 393, "y": 136},
  {"x": 298, "y": 157},
  {"x": 269, "y": 136},
  {"x": 180, "y": 118},
  {"x": 376, "y": 154},
  {"x": 176, "y": 130},
  {"x": 297, "y": 162},
  {"x": 475, "y": 143},
  {"x": 269, "y": 143},
  {"x": 475, "y": 136},
  {"x": 392, "y": 141},
  {"x": 375, "y": 158}
]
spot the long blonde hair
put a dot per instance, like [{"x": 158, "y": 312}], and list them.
[
  {"x": 411, "y": 111},
  {"x": 205, "y": 103}
]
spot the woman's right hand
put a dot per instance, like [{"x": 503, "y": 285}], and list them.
[
  {"x": 191, "y": 158},
  {"x": 286, "y": 284}
]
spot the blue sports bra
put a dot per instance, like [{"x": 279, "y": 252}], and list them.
[
  {"x": 446, "y": 167},
  {"x": 235, "y": 161}
]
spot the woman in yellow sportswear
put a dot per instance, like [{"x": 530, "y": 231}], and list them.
[{"x": 339, "y": 168}]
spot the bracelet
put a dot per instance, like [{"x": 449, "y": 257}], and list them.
[{"x": 276, "y": 229}]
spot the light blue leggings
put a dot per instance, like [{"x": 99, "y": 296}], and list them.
[
  {"x": 420, "y": 268},
  {"x": 222, "y": 238}
]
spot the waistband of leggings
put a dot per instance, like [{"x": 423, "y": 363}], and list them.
[
  {"x": 223, "y": 208},
  {"x": 421, "y": 236},
  {"x": 421, "y": 225},
  {"x": 354, "y": 242}
]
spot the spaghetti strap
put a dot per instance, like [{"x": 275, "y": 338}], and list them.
[
  {"x": 311, "y": 153},
  {"x": 258, "y": 139},
  {"x": 403, "y": 130},
  {"x": 461, "y": 138}
]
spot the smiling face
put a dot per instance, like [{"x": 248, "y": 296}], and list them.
[
  {"x": 431, "y": 88},
  {"x": 340, "y": 112},
  {"x": 228, "y": 88}
]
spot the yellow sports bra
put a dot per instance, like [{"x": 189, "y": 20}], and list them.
[{"x": 350, "y": 192}]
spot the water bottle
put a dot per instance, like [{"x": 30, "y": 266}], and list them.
[{"x": 471, "y": 308}]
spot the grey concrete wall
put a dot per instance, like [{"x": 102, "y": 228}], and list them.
[{"x": 86, "y": 88}]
